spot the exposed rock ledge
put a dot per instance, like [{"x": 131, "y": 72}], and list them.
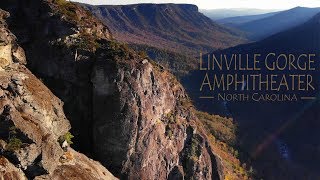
[
  {"x": 129, "y": 113},
  {"x": 31, "y": 122}
]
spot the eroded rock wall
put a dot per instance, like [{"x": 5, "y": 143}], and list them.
[
  {"x": 126, "y": 111},
  {"x": 32, "y": 121}
]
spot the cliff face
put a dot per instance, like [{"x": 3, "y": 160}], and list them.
[
  {"x": 32, "y": 121},
  {"x": 126, "y": 111},
  {"x": 59, "y": 38},
  {"x": 143, "y": 123}
]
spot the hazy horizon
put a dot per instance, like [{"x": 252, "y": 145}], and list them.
[{"x": 218, "y": 4}]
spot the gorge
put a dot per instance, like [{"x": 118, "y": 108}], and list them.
[{"x": 125, "y": 110}]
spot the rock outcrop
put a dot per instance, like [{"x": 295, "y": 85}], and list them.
[
  {"x": 32, "y": 121},
  {"x": 143, "y": 122},
  {"x": 126, "y": 111},
  {"x": 9, "y": 171},
  {"x": 78, "y": 166}
]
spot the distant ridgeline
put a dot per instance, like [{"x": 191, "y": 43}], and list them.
[{"x": 180, "y": 28}]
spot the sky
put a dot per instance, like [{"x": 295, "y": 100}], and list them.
[{"x": 219, "y": 4}]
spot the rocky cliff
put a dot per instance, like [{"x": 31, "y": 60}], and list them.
[
  {"x": 32, "y": 122},
  {"x": 126, "y": 111}
]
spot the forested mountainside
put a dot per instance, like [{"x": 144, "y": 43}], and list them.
[
  {"x": 180, "y": 28},
  {"x": 284, "y": 132}
]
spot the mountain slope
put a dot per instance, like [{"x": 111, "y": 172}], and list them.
[
  {"x": 239, "y": 20},
  {"x": 284, "y": 20},
  {"x": 218, "y": 14},
  {"x": 178, "y": 64},
  {"x": 175, "y": 27},
  {"x": 126, "y": 111},
  {"x": 283, "y": 131},
  {"x": 302, "y": 38}
]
